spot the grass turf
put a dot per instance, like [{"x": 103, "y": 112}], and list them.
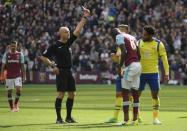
[{"x": 93, "y": 106}]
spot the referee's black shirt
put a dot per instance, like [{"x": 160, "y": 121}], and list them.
[{"x": 61, "y": 52}]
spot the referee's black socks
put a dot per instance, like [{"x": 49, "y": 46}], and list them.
[
  {"x": 69, "y": 106},
  {"x": 58, "y": 104}
]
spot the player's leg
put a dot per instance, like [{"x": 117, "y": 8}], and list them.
[
  {"x": 9, "y": 88},
  {"x": 140, "y": 90},
  {"x": 118, "y": 101},
  {"x": 136, "y": 71},
  {"x": 125, "y": 92},
  {"x": 61, "y": 84},
  {"x": 10, "y": 100},
  {"x": 154, "y": 84},
  {"x": 18, "y": 85},
  {"x": 58, "y": 106},
  {"x": 70, "y": 100}
]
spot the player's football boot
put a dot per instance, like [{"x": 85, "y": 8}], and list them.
[
  {"x": 16, "y": 107},
  {"x": 134, "y": 123},
  {"x": 156, "y": 122},
  {"x": 112, "y": 120},
  {"x": 139, "y": 119},
  {"x": 124, "y": 123},
  {"x": 70, "y": 120},
  {"x": 60, "y": 121},
  {"x": 12, "y": 110}
]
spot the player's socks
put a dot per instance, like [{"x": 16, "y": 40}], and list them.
[
  {"x": 135, "y": 104},
  {"x": 17, "y": 98},
  {"x": 10, "y": 101},
  {"x": 69, "y": 106},
  {"x": 139, "y": 116},
  {"x": 118, "y": 106},
  {"x": 58, "y": 104},
  {"x": 156, "y": 105},
  {"x": 126, "y": 103}
]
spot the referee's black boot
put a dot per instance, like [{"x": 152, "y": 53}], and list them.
[
  {"x": 60, "y": 121},
  {"x": 70, "y": 120}
]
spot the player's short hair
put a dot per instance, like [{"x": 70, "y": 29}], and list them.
[
  {"x": 13, "y": 42},
  {"x": 149, "y": 29},
  {"x": 123, "y": 26}
]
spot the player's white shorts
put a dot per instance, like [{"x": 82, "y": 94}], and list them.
[
  {"x": 131, "y": 76},
  {"x": 10, "y": 83}
]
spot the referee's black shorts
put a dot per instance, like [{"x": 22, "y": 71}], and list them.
[{"x": 65, "y": 81}]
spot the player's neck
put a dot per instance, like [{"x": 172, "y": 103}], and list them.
[
  {"x": 149, "y": 40},
  {"x": 63, "y": 40},
  {"x": 13, "y": 52}
]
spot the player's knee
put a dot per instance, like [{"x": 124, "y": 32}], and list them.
[
  {"x": 135, "y": 95},
  {"x": 18, "y": 90},
  {"x": 71, "y": 95},
  {"x": 60, "y": 95},
  {"x": 125, "y": 94},
  {"x": 9, "y": 94},
  {"x": 154, "y": 94}
]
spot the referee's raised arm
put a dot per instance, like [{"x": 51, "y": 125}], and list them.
[{"x": 86, "y": 13}]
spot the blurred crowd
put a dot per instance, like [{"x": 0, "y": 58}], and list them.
[{"x": 35, "y": 23}]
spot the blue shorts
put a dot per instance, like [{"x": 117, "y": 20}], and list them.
[
  {"x": 118, "y": 84},
  {"x": 150, "y": 78}
]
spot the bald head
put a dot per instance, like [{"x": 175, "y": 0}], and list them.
[
  {"x": 124, "y": 28},
  {"x": 64, "y": 33},
  {"x": 63, "y": 28}
]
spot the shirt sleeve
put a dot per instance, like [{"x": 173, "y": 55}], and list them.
[
  {"x": 22, "y": 59},
  {"x": 4, "y": 59},
  {"x": 49, "y": 52},
  {"x": 163, "y": 55},
  {"x": 120, "y": 39},
  {"x": 72, "y": 39}
]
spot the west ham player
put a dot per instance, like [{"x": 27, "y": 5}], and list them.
[
  {"x": 131, "y": 75},
  {"x": 14, "y": 62},
  {"x": 116, "y": 59}
]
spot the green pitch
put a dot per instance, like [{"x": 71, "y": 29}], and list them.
[{"x": 93, "y": 106}]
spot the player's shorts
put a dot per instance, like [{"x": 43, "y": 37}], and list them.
[
  {"x": 10, "y": 83},
  {"x": 65, "y": 81},
  {"x": 150, "y": 78},
  {"x": 131, "y": 76},
  {"x": 118, "y": 84}
]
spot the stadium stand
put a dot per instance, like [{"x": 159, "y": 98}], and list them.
[{"x": 35, "y": 25}]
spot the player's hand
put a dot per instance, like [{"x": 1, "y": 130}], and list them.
[
  {"x": 166, "y": 78},
  {"x": 115, "y": 58},
  {"x": 86, "y": 12},
  {"x": 24, "y": 79},
  {"x": 56, "y": 70},
  {"x": 119, "y": 72},
  {"x": 2, "y": 81}
]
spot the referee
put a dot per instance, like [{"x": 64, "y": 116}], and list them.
[{"x": 64, "y": 79}]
